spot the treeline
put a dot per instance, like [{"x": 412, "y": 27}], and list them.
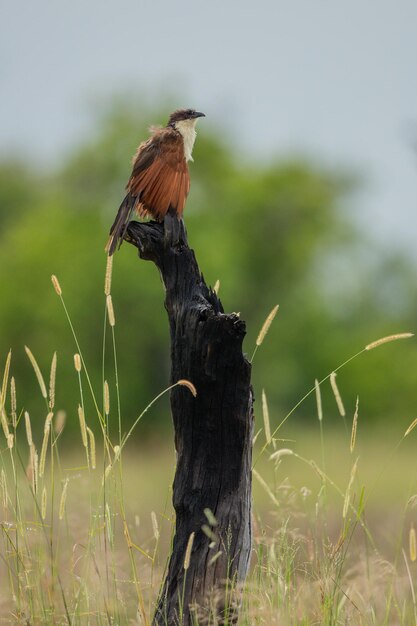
[{"x": 273, "y": 231}]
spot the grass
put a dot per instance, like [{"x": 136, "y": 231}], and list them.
[
  {"x": 309, "y": 564},
  {"x": 85, "y": 533}
]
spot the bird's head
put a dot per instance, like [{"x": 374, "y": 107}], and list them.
[
  {"x": 185, "y": 116},
  {"x": 184, "y": 121}
]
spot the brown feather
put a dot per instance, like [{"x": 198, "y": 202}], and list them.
[
  {"x": 160, "y": 175},
  {"x": 159, "y": 182}
]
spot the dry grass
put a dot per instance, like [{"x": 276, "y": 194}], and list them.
[
  {"x": 85, "y": 535},
  {"x": 82, "y": 549}
]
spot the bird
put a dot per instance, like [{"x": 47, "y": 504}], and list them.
[{"x": 160, "y": 181}]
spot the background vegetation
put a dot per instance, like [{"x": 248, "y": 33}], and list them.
[
  {"x": 278, "y": 231},
  {"x": 84, "y": 535}
]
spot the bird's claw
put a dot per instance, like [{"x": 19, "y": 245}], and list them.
[{"x": 175, "y": 235}]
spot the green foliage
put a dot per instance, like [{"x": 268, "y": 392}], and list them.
[{"x": 270, "y": 232}]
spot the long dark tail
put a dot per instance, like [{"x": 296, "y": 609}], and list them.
[{"x": 117, "y": 231}]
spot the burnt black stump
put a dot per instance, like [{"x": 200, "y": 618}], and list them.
[{"x": 213, "y": 437}]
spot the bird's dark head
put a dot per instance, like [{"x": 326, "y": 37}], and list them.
[
  {"x": 184, "y": 121},
  {"x": 184, "y": 114}
]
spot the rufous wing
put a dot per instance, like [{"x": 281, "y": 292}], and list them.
[{"x": 160, "y": 180}]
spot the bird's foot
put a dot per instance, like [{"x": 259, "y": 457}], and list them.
[{"x": 175, "y": 235}]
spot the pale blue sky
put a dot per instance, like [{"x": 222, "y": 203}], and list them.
[{"x": 336, "y": 80}]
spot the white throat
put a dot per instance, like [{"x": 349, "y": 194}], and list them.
[{"x": 187, "y": 130}]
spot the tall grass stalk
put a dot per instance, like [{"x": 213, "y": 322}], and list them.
[
  {"x": 70, "y": 552},
  {"x": 371, "y": 346},
  {"x": 67, "y": 315}
]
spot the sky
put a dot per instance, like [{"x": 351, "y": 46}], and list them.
[{"x": 330, "y": 79}]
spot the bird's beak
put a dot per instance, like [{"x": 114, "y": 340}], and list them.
[{"x": 199, "y": 114}]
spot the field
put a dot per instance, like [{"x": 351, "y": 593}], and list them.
[
  {"x": 297, "y": 203},
  {"x": 87, "y": 524},
  {"x": 334, "y": 541}
]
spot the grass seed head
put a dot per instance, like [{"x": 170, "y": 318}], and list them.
[
  {"x": 411, "y": 427},
  {"x": 107, "y": 280},
  {"x": 63, "y": 500},
  {"x": 44, "y": 450},
  {"x": 188, "y": 551},
  {"x": 106, "y": 474},
  {"x": 388, "y": 339},
  {"x": 106, "y": 396},
  {"x": 215, "y": 557},
  {"x": 276, "y": 456},
  {"x": 56, "y": 285},
  {"x": 60, "y": 420},
  {"x": 32, "y": 468},
  {"x": 13, "y": 401},
  {"x": 208, "y": 532},
  {"x": 92, "y": 447},
  {"x": 83, "y": 427},
  {"x": 265, "y": 413},
  {"x": 77, "y": 362},
  {"x": 4, "y": 423},
  {"x": 189, "y": 385},
  {"x": 28, "y": 429},
  {"x": 412, "y": 543},
  {"x": 337, "y": 395},
  {"x": 318, "y": 400},
  {"x": 266, "y": 325},
  {"x": 48, "y": 421},
  {"x": 4, "y": 492},
  {"x": 52, "y": 380},
  {"x": 37, "y": 371},
  {"x": 3, "y": 391},
  {"x": 110, "y": 310},
  {"x": 155, "y": 526},
  {"x": 210, "y": 517},
  {"x": 354, "y": 426}
]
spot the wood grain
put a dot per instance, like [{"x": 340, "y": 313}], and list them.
[{"x": 213, "y": 435}]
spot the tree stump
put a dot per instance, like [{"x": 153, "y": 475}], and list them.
[{"x": 213, "y": 437}]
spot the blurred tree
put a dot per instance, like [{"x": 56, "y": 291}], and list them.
[{"x": 271, "y": 232}]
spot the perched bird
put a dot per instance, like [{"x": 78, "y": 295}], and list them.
[{"x": 160, "y": 181}]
